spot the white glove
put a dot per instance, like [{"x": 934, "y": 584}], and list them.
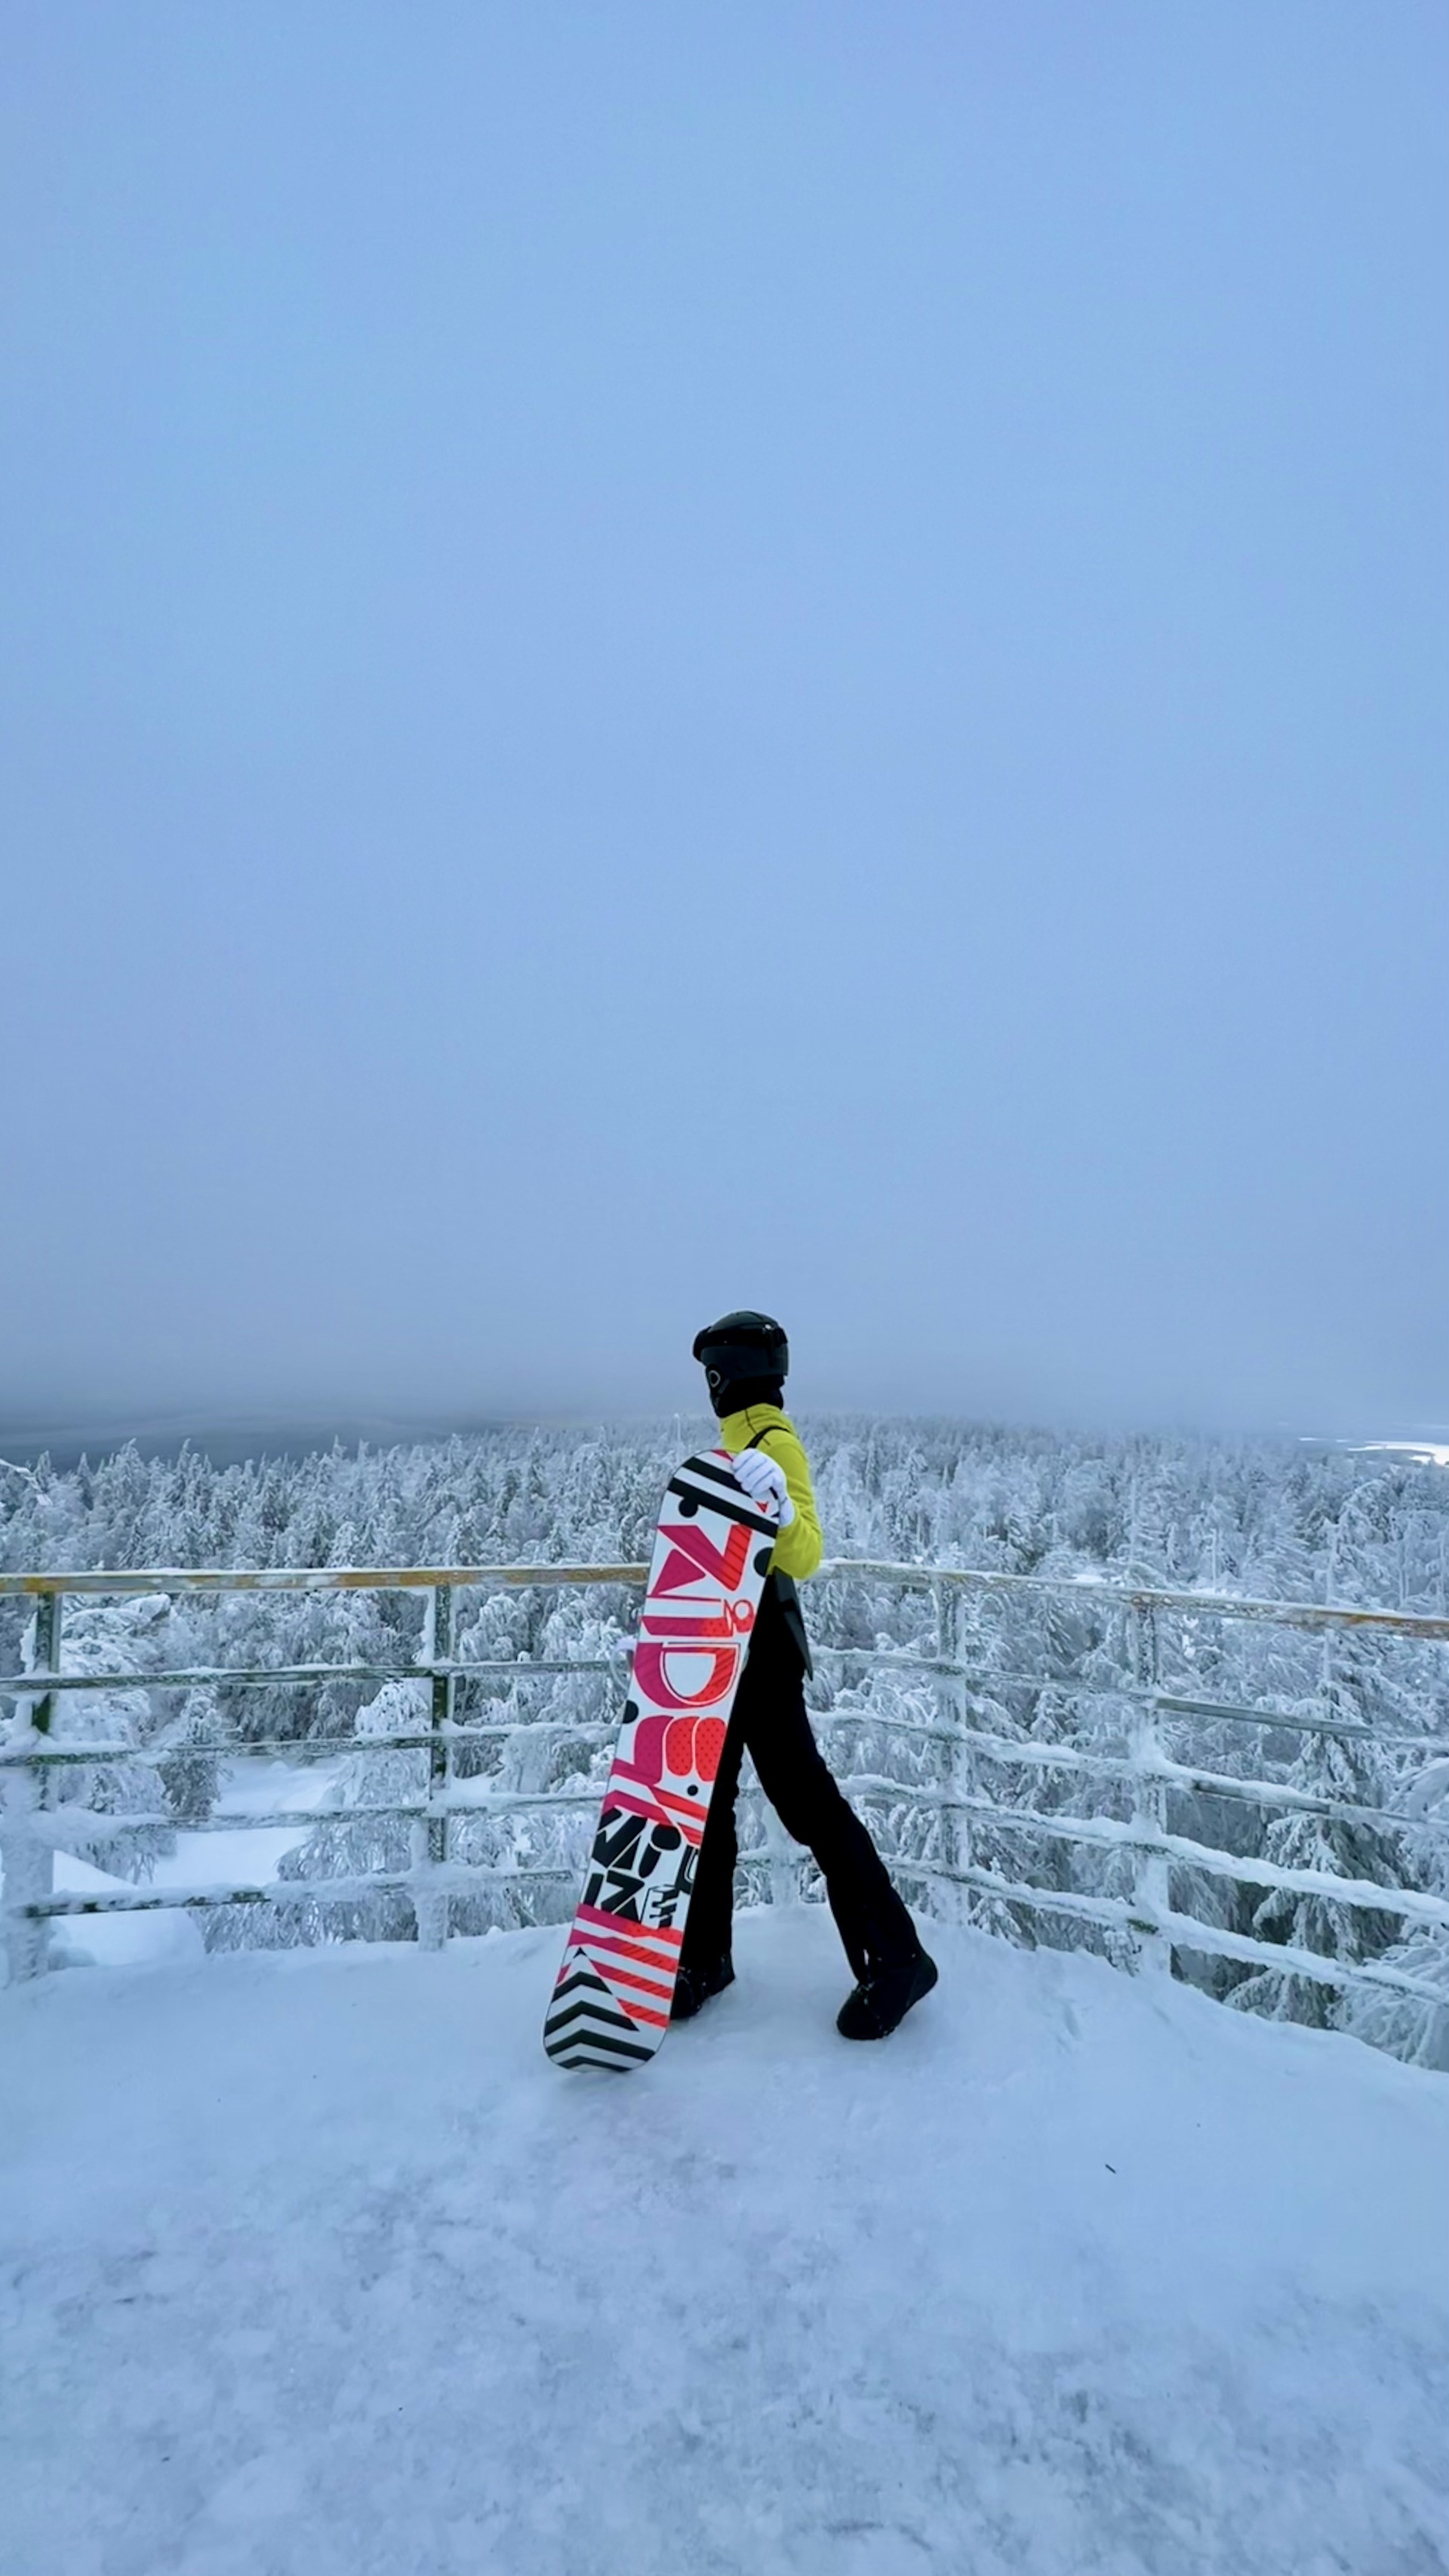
[{"x": 762, "y": 1476}]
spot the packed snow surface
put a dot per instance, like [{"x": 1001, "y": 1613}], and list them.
[{"x": 314, "y": 2266}]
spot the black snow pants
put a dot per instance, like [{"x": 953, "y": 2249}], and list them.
[{"x": 770, "y": 1719}]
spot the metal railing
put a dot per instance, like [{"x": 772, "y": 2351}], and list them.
[{"x": 1143, "y": 1926}]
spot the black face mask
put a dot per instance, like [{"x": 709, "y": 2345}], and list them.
[{"x": 742, "y": 1392}]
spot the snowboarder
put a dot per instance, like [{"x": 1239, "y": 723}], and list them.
[{"x": 745, "y": 1358}]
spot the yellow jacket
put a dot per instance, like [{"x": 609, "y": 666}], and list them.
[{"x": 799, "y": 1549}]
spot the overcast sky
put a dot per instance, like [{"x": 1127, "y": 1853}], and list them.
[{"x": 656, "y": 657}]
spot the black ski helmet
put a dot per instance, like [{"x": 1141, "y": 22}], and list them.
[{"x": 742, "y": 1346}]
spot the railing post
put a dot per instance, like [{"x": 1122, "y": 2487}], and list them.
[
  {"x": 49, "y": 1612},
  {"x": 29, "y": 1865},
  {"x": 430, "y": 1845},
  {"x": 960, "y": 1756},
  {"x": 1150, "y": 1893},
  {"x": 784, "y": 1872}
]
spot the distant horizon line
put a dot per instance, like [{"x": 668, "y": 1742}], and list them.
[{"x": 233, "y": 1438}]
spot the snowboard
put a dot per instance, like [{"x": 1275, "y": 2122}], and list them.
[{"x": 712, "y": 1549}]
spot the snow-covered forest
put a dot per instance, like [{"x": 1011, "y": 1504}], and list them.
[{"x": 1256, "y": 1520}]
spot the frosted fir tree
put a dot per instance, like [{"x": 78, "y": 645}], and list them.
[
  {"x": 361, "y": 1833},
  {"x": 190, "y": 1774},
  {"x": 1345, "y": 1771}
]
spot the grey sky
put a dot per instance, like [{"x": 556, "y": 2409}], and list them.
[{"x": 658, "y": 657}]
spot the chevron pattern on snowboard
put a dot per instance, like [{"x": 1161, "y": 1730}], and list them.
[
  {"x": 712, "y": 1549},
  {"x": 585, "y": 2026}
]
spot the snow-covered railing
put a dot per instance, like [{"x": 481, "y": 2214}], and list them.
[{"x": 1143, "y": 1926}]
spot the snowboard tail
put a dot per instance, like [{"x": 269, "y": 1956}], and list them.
[{"x": 712, "y": 1548}]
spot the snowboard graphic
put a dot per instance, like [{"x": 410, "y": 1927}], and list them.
[{"x": 712, "y": 1548}]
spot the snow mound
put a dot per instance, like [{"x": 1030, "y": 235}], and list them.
[{"x": 314, "y": 2266}]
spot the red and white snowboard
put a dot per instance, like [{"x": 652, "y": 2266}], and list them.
[{"x": 712, "y": 1549}]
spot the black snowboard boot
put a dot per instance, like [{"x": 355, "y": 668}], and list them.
[
  {"x": 694, "y": 1987},
  {"x": 884, "y": 1996}
]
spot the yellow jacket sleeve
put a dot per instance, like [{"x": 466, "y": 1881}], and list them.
[{"x": 798, "y": 1549}]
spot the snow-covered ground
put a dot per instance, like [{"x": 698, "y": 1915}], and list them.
[{"x": 313, "y": 2266}]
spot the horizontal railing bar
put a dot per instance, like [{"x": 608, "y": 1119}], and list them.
[
  {"x": 1022, "y": 1750},
  {"x": 1186, "y": 1933},
  {"x": 1184, "y": 1777},
  {"x": 1105, "y": 1833},
  {"x": 1313, "y": 1616},
  {"x": 932, "y": 1667},
  {"x": 36, "y": 1751},
  {"x": 982, "y": 1681},
  {"x": 457, "y": 1879},
  {"x": 1099, "y": 1833},
  {"x": 1187, "y": 1780},
  {"x": 89, "y": 1825},
  {"x": 1273, "y": 1718},
  {"x": 514, "y": 1667},
  {"x": 65, "y": 1829},
  {"x": 35, "y": 1684},
  {"x": 461, "y": 1879},
  {"x": 939, "y": 1734},
  {"x": 118, "y": 1581},
  {"x": 1169, "y": 1705},
  {"x": 165, "y": 1900},
  {"x": 464, "y": 1879},
  {"x": 39, "y": 1685},
  {"x": 1182, "y": 1930}
]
